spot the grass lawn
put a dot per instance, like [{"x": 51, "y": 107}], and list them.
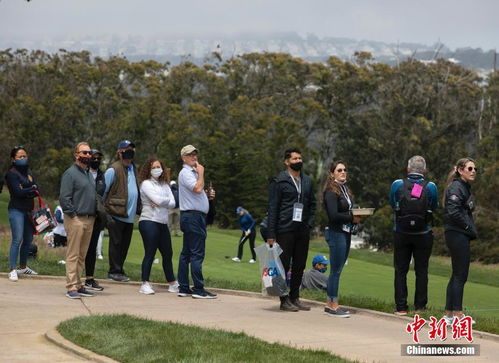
[
  {"x": 127, "y": 338},
  {"x": 367, "y": 280}
]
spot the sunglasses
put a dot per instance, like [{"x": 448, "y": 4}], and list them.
[
  {"x": 85, "y": 152},
  {"x": 471, "y": 168},
  {"x": 194, "y": 153},
  {"x": 342, "y": 170}
]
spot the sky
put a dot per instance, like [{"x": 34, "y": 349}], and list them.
[{"x": 456, "y": 23}]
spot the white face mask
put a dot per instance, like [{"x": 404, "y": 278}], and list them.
[{"x": 156, "y": 173}]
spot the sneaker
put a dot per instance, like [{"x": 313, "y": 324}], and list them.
[
  {"x": 73, "y": 294},
  {"x": 93, "y": 285},
  {"x": 236, "y": 259},
  {"x": 252, "y": 261},
  {"x": 339, "y": 312},
  {"x": 287, "y": 306},
  {"x": 184, "y": 292},
  {"x": 13, "y": 275},
  {"x": 84, "y": 292},
  {"x": 100, "y": 257},
  {"x": 449, "y": 320},
  {"x": 26, "y": 271},
  {"x": 118, "y": 277},
  {"x": 204, "y": 295},
  {"x": 300, "y": 305},
  {"x": 146, "y": 289},
  {"x": 400, "y": 312},
  {"x": 464, "y": 316},
  {"x": 173, "y": 288}
]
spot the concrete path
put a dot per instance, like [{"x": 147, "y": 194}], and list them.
[{"x": 35, "y": 305}]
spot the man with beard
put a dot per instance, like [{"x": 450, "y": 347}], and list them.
[
  {"x": 290, "y": 217},
  {"x": 78, "y": 202},
  {"x": 122, "y": 202}
]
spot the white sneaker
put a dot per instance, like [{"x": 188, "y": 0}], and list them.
[
  {"x": 236, "y": 259},
  {"x": 449, "y": 320},
  {"x": 252, "y": 261},
  {"x": 13, "y": 275},
  {"x": 100, "y": 257},
  {"x": 146, "y": 289},
  {"x": 26, "y": 271},
  {"x": 173, "y": 288}
]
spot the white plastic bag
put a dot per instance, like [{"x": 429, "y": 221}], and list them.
[{"x": 271, "y": 270}]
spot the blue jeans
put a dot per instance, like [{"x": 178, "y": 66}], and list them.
[
  {"x": 339, "y": 247},
  {"x": 22, "y": 236},
  {"x": 156, "y": 236},
  {"x": 194, "y": 227}
]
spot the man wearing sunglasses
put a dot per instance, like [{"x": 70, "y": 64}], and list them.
[
  {"x": 78, "y": 202},
  {"x": 122, "y": 201},
  {"x": 413, "y": 199}
]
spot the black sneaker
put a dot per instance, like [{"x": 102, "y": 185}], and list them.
[
  {"x": 184, "y": 292},
  {"x": 339, "y": 312},
  {"x": 84, "y": 292},
  {"x": 287, "y": 306},
  {"x": 93, "y": 285},
  {"x": 118, "y": 277},
  {"x": 300, "y": 305},
  {"x": 204, "y": 295}
]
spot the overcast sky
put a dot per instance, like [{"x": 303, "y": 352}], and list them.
[{"x": 456, "y": 23}]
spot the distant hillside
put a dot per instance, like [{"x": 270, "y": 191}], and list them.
[{"x": 197, "y": 49}]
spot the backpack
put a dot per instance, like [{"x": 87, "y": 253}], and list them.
[{"x": 412, "y": 213}]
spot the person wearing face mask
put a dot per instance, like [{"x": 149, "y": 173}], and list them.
[
  {"x": 78, "y": 201},
  {"x": 315, "y": 278},
  {"x": 157, "y": 199},
  {"x": 459, "y": 231},
  {"x": 100, "y": 187},
  {"x": 22, "y": 187},
  {"x": 338, "y": 202},
  {"x": 290, "y": 217},
  {"x": 122, "y": 202}
]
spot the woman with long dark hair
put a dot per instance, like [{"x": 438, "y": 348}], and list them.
[
  {"x": 22, "y": 187},
  {"x": 459, "y": 231},
  {"x": 338, "y": 202},
  {"x": 157, "y": 198}
]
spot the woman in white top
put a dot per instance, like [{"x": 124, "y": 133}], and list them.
[{"x": 157, "y": 198}]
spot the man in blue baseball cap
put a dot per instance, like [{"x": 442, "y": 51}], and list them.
[
  {"x": 122, "y": 202},
  {"x": 315, "y": 278}
]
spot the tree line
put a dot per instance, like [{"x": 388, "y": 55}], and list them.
[{"x": 242, "y": 112}]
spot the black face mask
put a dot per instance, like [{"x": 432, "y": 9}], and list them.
[
  {"x": 85, "y": 160},
  {"x": 128, "y": 154},
  {"x": 296, "y": 166},
  {"x": 95, "y": 164}
]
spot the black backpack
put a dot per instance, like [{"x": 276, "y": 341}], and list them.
[{"x": 413, "y": 213}]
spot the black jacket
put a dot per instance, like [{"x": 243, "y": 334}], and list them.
[
  {"x": 338, "y": 211},
  {"x": 282, "y": 196},
  {"x": 459, "y": 204},
  {"x": 22, "y": 188}
]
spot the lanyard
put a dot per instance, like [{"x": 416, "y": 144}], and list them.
[
  {"x": 298, "y": 188},
  {"x": 345, "y": 194}
]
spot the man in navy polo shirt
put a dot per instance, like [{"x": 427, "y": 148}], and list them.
[{"x": 194, "y": 207}]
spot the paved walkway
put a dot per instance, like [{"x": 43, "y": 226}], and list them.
[{"x": 34, "y": 305}]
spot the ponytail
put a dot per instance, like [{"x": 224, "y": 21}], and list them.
[{"x": 454, "y": 174}]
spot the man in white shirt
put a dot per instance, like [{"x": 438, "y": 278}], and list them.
[{"x": 194, "y": 207}]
